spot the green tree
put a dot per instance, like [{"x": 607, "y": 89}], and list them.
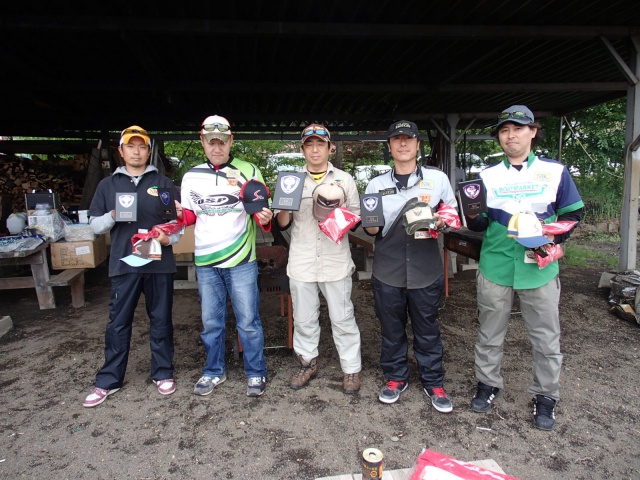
[
  {"x": 189, "y": 153},
  {"x": 593, "y": 150},
  {"x": 363, "y": 153}
]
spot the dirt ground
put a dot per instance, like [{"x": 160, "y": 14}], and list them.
[{"x": 48, "y": 362}]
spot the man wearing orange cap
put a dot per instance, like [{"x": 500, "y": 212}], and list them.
[
  {"x": 316, "y": 263},
  {"x": 225, "y": 253},
  {"x": 154, "y": 279}
]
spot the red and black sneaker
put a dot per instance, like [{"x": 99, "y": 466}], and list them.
[{"x": 390, "y": 393}]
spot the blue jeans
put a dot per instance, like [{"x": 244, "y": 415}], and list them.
[{"x": 241, "y": 283}]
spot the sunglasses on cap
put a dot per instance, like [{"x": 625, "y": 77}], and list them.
[
  {"x": 315, "y": 131},
  {"x": 211, "y": 127},
  {"x": 516, "y": 115},
  {"x": 139, "y": 131}
]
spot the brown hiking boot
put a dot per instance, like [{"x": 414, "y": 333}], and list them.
[
  {"x": 306, "y": 371},
  {"x": 351, "y": 383}
]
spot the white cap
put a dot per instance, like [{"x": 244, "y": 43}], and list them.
[
  {"x": 216, "y": 133},
  {"x": 526, "y": 228}
]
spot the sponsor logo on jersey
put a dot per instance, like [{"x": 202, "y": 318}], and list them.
[{"x": 217, "y": 204}]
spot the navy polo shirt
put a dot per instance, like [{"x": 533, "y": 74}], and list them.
[{"x": 149, "y": 213}]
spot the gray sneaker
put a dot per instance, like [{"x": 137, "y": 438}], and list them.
[
  {"x": 206, "y": 384},
  {"x": 439, "y": 399},
  {"x": 256, "y": 386},
  {"x": 390, "y": 393}
]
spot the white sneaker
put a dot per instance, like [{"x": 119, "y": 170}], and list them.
[
  {"x": 166, "y": 386},
  {"x": 97, "y": 396}
]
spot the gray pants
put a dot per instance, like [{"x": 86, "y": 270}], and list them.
[
  {"x": 539, "y": 307},
  {"x": 306, "y": 316}
]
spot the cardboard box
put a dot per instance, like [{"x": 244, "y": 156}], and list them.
[
  {"x": 187, "y": 243},
  {"x": 84, "y": 254}
]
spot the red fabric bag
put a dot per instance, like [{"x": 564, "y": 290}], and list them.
[
  {"x": 167, "y": 228},
  {"x": 338, "y": 222},
  {"x": 436, "y": 466}
]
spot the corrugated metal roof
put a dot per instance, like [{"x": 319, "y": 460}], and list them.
[{"x": 275, "y": 66}]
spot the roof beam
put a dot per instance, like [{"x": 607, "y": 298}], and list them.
[
  {"x": 626, "y": 71},
  {"x": 178, "y": 26},
  {"x": 94, "y": 86}
]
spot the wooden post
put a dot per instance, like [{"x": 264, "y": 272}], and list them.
[
  {"x": 94, "y": 175},
  {"x": 40, "y": 272}
]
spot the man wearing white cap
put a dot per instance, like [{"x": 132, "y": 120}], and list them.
[
  {"x": 316, "y": 263},
  {"x": 225, "y": 255},
  {"x": 154, "y": 279},
  {"x": 523, "y": 191}
]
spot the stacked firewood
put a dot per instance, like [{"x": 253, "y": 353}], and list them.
[{"x": 22, "y": 175}]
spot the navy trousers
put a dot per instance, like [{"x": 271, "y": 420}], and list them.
[
  {"x": 392, "y": 305},
  {"x": 125, "y": 293}
]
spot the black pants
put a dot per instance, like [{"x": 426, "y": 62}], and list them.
[
  {"x": 125, "y": 293},
  {"x": 392, "y": 305}
]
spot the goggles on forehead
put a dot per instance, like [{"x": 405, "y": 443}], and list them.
[
  {"x": 516, "y": 115},
  {"x": 322, "y": 132},
  {"x": 211, "y": 127},
  {"x": 139, "y": 131}
]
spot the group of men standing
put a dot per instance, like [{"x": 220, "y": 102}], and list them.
[{"x": 407, "y": 276}]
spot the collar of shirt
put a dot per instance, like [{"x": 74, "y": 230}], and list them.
[{"x": 411, "y": 182}]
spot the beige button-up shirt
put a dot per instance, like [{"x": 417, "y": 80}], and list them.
[{"x": 313, "y": 257}]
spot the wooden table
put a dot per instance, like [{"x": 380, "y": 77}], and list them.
[
  {"x": 37, "y": 259},
  {"x": 462, "y": 241},
  {"x": 40, "y": 278}
]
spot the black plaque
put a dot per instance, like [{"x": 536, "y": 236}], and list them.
[
  {"x": 167, "y": 198},
  {"x": 288, "y": 191},
  {"x": 371, "y": 213},
  {"x": 473, "y": 197}
]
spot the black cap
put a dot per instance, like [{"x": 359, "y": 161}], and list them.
[
  {"x": 403, "y": 127},
  {"x": 254, "y": 195}
]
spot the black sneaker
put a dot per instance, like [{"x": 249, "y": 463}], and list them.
[
  {"x": 390, "y": 393},
  {"x": 544, "y": 412},
  {"x": 485, "y": 395},
  {"x": 439, "y": 399}
]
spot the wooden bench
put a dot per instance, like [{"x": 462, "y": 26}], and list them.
[
  {"x": 186, "y": 260},
  {"x": 36, "y": 258},
  {"x": 73, "y": 277}
]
